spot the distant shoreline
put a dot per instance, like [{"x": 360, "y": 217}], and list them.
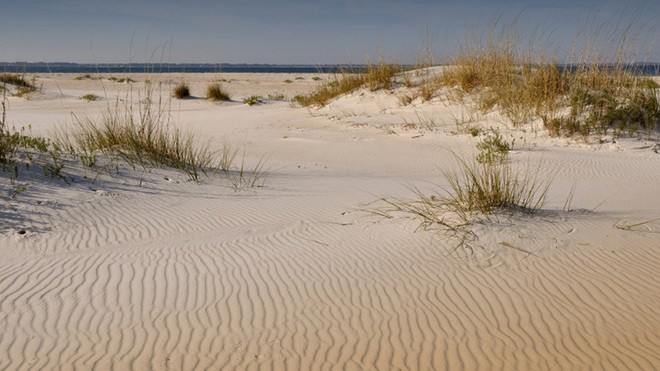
[
  {"x": 646, "y": 69},
  {"x": 17, "y": 67}
]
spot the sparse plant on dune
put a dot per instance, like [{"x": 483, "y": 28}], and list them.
[
  {"x": 525, "y": 84},
  {"x": 253, "y": 99},
  {"x": 121, "y": 79},
  {"x": 90, "y": 97},
  {"x": 181, "y": 91},
  {"x": 375, "y": 77},
  {"x": 21, "y": 85},
  {"x": 380, "y": 76},
  {"x": 215, "y": 92},
  {"x": 477, "y": 190},
  {"x": 276, "y": 97},
  {"x": 241, "y": 177},
  {"x": 141, "y": 136},
  {"x": 493, "y": 149}
]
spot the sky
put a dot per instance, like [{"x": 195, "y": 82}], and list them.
[{"x": 305, "y": 31}]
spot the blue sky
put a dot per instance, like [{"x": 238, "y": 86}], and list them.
[{"x": 296, "y": 31}]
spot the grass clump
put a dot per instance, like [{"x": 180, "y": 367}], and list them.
[
  {"x": 141, "y": 137},
  {"x": 21, "y": 85},
  {"x": 18, "y": 148},
  {"x": 493, "y": 149},
  {"x": 253, "y": 99},
  {"x": 376, "y": 77},
  {"x": 599, "y": 93},
  {"x": 215, "y": 92},
  {"x": 483, "y": 188},
  {"x": 276, "y": 97},
  {"x": 90, "y": 97},
  {"x": 121, "y": 79},
  {"x": 86, "y": 77},
  {"x": 181, "y": 91},
  {"x": 477, "y": 189},
  {"x": 16, "y": 80}
]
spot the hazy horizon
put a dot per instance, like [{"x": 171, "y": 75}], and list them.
[{"x": 302, "y": 32}]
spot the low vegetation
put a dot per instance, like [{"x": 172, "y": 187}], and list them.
[
  {"x": 21, "y": 85},
  {"x": 477, "y": 189},
  {"x": 253, "y": 99},
  {"x": 376, "y": 77},
  {"x": 140, "y": 137},
  {"x": 215, "y": 92},
  {"x": 181, "y": 91},
  {"x": 139, "y": 134},
  {"x": 86, "y": 77},
  {"x": 20, "y": 150},
  {"x": 90, "y": 97},
  {"x": 120, "y": 79},
  {"x": 597, "y": 95}
]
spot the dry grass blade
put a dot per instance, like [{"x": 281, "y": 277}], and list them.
[
  {"x": 143, "y": 138},
  {"x": 486, "y": 188},
  {"x": 475, "y": 192},
  {"x": 376, "y": 77}
]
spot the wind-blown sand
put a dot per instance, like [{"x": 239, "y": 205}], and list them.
[{"x": 143, "y": 269}]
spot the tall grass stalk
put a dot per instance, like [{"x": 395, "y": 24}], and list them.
[
  {"x": 524, "y": 82},
  {"x": 376, "y": 77},
  {"x": 141, "y": 136},
  {"x": 475, "y": 192}
]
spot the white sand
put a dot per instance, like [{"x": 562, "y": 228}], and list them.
[{"x": 146, "y": 270}]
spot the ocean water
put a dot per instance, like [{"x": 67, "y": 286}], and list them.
[
  {"x": 163, "y": 68},
  {"x": 646, "y": 69}
]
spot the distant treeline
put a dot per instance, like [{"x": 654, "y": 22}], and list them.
[
  {"x": 646, "y": 69},
  {"x": 58, "y": 67}
]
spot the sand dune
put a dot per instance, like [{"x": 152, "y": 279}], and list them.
[{"x": 146, "y": 270}]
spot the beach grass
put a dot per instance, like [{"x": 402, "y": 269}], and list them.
[
  {"x": 376, "y": 77},
  {"x": 525, "y": 83},
  {"x": 215, "y": 92},
  {"x": 181, "y": 91},
  {"x": 476, "y": 192},
  {"x": 141, "y": 136},
  {"x": 21, "y": 85},
  {"x": 90, "y": 97}
]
